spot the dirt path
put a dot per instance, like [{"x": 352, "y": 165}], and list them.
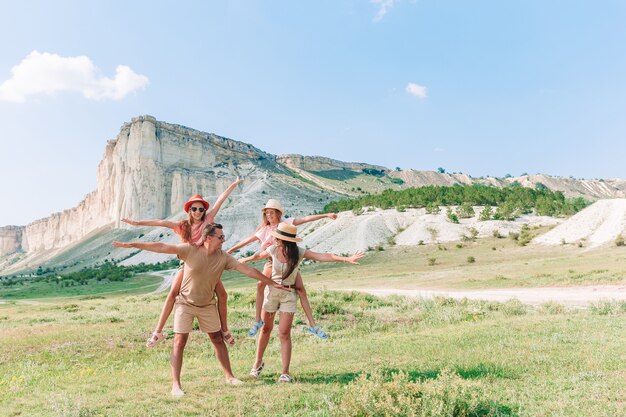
[
  {"x": 168, "y": 276},
  {"x": 570, "y": 296}
]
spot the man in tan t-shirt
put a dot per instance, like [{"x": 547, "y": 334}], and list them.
[{"x": 196, "y": 299}]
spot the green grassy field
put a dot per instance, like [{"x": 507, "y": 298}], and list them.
[
  {"x": 499, "y": 263},
  {"x": 83, "y": 354},
  {"x": 437, "y": 357},
  {"x": 139, "y": 284}
]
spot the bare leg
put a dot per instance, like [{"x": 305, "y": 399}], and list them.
[
  {"x": 284, "y": 330},
  {"x": 304, "y": 300},
  {"x": 168, "y": 306},
  {"x": 222, "y": 353},
  {"x": 222, "y": 305},
  {"x": 176, "y": 358},
  {"x": 264, "y": 338}
]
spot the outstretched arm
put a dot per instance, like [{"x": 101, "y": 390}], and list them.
[
  {"x": 220, "y": 200},
  {"x": 256, "y": 274},
  {"x": 314, "y": 217},
  {"x": 149, "y": 246},
  {"x": 257, "y": 256},
  {"x": 243, "y": 243},
  {"x": 329, "y": 257},
  {"x": 158, "y": 223}
]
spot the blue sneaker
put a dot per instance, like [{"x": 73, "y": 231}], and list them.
[
  {"x": 318, "y": 332},
  {"x": 256, "y": 326}
]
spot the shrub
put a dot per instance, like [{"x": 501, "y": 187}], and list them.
[
  {"x": 357, "y": 211},
  {"x": 433, "y": 208},
  {"x": 496, "y": 233},
  {"x": 434, "y": 233},
  {"x": 452, "y": 216},
  {"x": 398, "y": 181},
  {"x": 486, "y": 214},
  {"x": 465, "y": 211},
  {"x": 514, "y": 307},
  {"x": 471, "y": 259},
  {"x": 525, "y": 236},
  {"x": 619, "y": 241},
  {"x": 552, "y": 307},
  {"x": 608, "y": 308},
  {"x": 397, "y": 395},
  {"x": 432, "y": 261}
]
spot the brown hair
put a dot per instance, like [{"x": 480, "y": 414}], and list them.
[
  {"x": 209, "y": 230},
  {"x": 292, "y": 253},
  {"x": 186, "y": 226}
]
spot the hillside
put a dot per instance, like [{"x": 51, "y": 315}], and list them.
[{"x": 151, "y": 168}]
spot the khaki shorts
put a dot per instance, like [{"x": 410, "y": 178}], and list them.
[
  {"x": 208, "y": 318},
  {"x": 277, "y": 300}
]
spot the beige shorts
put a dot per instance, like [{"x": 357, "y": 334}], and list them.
[
  {"x": 208, "y": 318},
  {"x": 277, "y": 300}
]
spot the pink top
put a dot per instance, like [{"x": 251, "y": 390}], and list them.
[
  {"x": 264, "y": 234},
  {"x": 196, "y": 231}
]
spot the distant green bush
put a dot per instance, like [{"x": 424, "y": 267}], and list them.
[
  {"x": 452, "y": 216},
  {"x": 511, "y": 202},
  {"x": 465, "y": 211}
]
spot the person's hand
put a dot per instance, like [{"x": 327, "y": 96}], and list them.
[
  {"x": 332, "y": 216},
  {"x": 280, "y": 287},
  {"x": 238, "y": 180},
  {"x": 244, "y": 260},
  {"x": 131, "y": 222},
  {"x": 230, "y": 251},
  {"x": 354, "y": 258},
  {"x": 122, "y": 244}
]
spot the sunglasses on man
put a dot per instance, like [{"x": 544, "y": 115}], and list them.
[{"x": 200, "y": 209}]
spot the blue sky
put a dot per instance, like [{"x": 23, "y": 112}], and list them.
[{"x": 480, "y": 87}]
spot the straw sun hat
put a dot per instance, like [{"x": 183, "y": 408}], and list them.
[
  {"x": 273, "y": 204},
  {"x": 287, "y": 232}
]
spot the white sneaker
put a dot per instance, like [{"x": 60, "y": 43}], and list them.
[
  {"x": 234, "y": 381},
  {"x": 177, "y": 392}
]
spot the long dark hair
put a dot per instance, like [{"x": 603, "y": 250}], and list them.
[
  {"x": 186, "y": 226},
  {"x": 292, "y": 253}
]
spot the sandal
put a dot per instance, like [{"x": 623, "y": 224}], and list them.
[
  {"x": 255, "y": 372},
  {"x": 154, "y": 339},
  {"x": 318, "y": 332},
  {"x": 285, "y": 378},
  {"x": 234, "y": 381},
  {"x": 228, "y": 338},
  {"x": 256, "y": 326}
]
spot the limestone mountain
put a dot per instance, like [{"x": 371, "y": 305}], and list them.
[{"x": 151, "y": 168}]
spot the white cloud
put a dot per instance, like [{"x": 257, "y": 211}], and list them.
[
  {"x": 416, "y": 90},
  {"x": 383, "y": 7},
  {"x": 46, "y": 73}
]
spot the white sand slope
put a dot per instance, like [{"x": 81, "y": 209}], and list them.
[
  {"x": 352, "y": 232},
  {"x": 597, "y": 225}
]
